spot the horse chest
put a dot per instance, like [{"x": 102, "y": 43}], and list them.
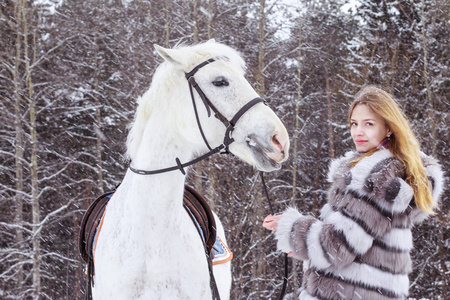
[
  {"x": 157, "y": 274},
  {"x": 161, "y": 260}
]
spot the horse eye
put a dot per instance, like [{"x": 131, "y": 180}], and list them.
[{"x": 221, "y": 81}]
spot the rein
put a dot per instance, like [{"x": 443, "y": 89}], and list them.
[
  {"x": 222, "y": 148},
  {"x": 286, "y": 261}
]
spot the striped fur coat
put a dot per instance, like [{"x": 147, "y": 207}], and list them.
[{"x": 359, "y": 248}]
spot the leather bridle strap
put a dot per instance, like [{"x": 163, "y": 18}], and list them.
[
  {"x": 228, "y": 139},
  {"x": 180, "y": 166},
  {"x": 207, "y": 102},
  {"x": 210, "y": 106}
]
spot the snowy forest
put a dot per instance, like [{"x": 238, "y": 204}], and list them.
[{"x": 70, "y": 74}]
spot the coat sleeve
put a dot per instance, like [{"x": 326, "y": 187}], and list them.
[
  {"x": 291, "y": 233},
  {"x": 311, "y": 239},
  {"x": 437, "y": 180}
]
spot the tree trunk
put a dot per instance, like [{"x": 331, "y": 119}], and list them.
[
  {"x": 259, "y": 269},
  {"x": 368, "y": 64},
  {"x": 260, "y": 76},
  {"x": 195, "y": 16},
  {"x": 34, "y": 165},
  {"x": 315, "y": 208},
  {"x": 330, "y": 114},
  {"x": 167, "y": 9},
  {"x": 443, "y": 255},
  {"x": 431, "y": 117},
  {"x": 432, "y": 121},
  {"x": 151, "y": 20},
  {"x": 98, "y": 120},
  {"x": 18, "y": 218},
  {"x": 295, "y": 278},
  {"x": 210, "y": 18}
]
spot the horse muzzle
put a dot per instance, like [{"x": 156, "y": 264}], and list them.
[{"x": 270, "y": 153}]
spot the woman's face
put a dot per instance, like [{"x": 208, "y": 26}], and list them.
[{"x": 367, "y": 128}]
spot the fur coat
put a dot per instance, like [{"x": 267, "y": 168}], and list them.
[{"x": 359, "y": 247}]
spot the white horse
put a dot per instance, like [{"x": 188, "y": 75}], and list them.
[{"x": 148, "y": 247}]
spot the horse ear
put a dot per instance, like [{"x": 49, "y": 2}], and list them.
[
  {"x": 169, "y": 55},
  {"x": 211, "y": 41}
]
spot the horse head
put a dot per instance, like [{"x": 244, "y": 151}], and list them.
[{"x": 217, "y": 71}]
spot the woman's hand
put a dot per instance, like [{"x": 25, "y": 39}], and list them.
[{"x": 271, "y": 222}]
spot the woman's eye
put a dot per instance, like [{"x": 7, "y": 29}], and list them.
[
  {"x": 353, "y": 124},
  {"x": 221, "y": 82},
  {"x": 369, "y": 124}
]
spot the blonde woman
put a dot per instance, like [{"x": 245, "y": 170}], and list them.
[{"x": 359, "y": 247}]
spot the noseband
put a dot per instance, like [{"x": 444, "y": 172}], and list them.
[{"x": 229, "y": 124}]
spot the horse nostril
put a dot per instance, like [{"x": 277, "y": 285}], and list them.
[{"x": 277, "y": 143}]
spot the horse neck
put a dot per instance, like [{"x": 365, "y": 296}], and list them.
[{"x": 158, "y": 194}]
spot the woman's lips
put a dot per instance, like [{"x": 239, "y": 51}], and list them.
[{"x": 360, "y": 142}]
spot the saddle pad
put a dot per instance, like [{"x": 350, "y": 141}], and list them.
[{"x": 221, "y": 253}]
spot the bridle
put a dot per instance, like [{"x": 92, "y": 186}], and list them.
[
  {"x": 229, "y": 124},
  {"x": 222, "y": 148}
]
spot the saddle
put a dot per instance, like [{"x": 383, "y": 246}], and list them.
[{"x": 196, "y": 206}]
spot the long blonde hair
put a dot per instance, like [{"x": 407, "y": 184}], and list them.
[{"x": 403, "y": 144}]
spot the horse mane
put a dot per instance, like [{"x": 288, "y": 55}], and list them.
[{"x": 169, "y": 78}]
